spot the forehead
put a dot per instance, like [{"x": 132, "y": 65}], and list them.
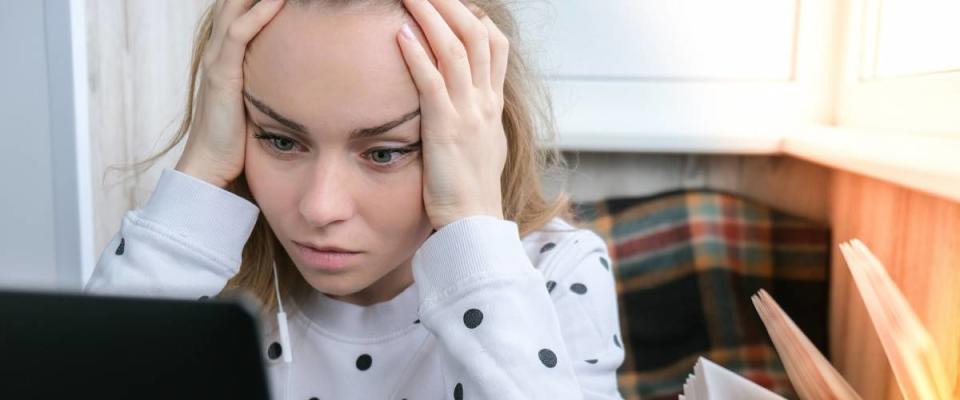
[{"x": 331, "y": 69}]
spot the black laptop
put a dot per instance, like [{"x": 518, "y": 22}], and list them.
[{"x": 78, "y": 346}]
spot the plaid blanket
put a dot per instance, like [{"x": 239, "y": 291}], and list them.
[{"x": 686, "y": 264}]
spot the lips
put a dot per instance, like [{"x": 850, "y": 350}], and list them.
[
  {"x": 330, "y": 249},
  {"x": 327, "y": 258}
]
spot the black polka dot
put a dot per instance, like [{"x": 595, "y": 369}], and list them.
[
  {"x": 592, "y": 361},
  {"x": 548, "y": 358},
  {"x": 314, "y": 398},
  {"x": 120, "y": 247},
  {"x": 472, "y": 318},
  {"x": 578, "y": 288},
  {"x": 606, "y": 265},
  {"x": 274, "y": 351},
  {"x": 616, "y": 341},
  {"x": 204, "y": 297},
  {"x": 548, "y": 247},
  {"x": 364, "y": 362},
  {"x": 458, "y": 392},
  {"x": 550, "y": 286},
  {"x": 417, "y": 321}
]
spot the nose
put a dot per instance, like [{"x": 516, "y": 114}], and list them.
[{"x": 327, "y": 196}]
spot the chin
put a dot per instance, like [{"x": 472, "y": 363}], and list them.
[{"x": 337, "y": 287}]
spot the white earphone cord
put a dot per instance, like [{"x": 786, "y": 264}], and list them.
[
  {"x": 276, "y": 285},
  {"x": 286, "y": 348}
]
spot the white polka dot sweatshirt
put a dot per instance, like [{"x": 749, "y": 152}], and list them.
[{"x": 489, "y": 316}]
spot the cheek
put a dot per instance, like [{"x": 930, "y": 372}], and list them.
[
  {"x": 253, "y": 168},
  {"x": 271, "y": 188},
  {"x": 401, "y": 189},
  {"x": 398, "y": 204}
]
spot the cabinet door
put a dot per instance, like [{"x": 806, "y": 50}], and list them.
[
  {"x": 901, "y": 68},
  {"x": 681, "y": 75}
]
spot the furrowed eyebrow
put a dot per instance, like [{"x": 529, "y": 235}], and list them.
[
  {"x": 273, "y": 114},
  {"x": 379, "y": 130},
  {"x": 297, "y": 127}
]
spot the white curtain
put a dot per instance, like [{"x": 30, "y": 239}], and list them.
[{"x": 138, "y": 65}]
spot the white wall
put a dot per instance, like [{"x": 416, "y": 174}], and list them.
[{"x": 42, "y": 216}]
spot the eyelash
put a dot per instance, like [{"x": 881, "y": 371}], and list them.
[{"x": 270, "y": 140}]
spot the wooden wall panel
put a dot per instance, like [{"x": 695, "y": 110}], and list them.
[
  {"x": 789, "y": 184},
  {"x": 917, "y": 237}
]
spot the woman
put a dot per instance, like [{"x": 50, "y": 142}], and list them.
[{"x": 372, "y": 166}]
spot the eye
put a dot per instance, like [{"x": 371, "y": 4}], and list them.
[
  {"x": 385, "y": 157},
  {"x": 283, "y": 144},
  {"x": 382, "y": 156},
  {"x": 277, "y": 143}
]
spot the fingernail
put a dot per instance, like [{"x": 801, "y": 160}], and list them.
[{"x": 405, "y": 30}]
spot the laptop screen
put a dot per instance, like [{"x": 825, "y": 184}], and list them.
[{"x": 67, "y": 346}]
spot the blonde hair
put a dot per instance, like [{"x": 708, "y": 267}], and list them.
[{"x": 527, "y": 109}]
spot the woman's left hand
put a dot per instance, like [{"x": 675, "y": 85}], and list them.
[{"x": 464, "y": 146}]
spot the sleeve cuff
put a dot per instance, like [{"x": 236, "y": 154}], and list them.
[
  {"x": 201, "y": 213},
  {"x": 466, "y": 250}
]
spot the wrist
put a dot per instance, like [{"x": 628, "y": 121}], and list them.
[
  {"x": 187, "y": 166},
  {"x": 453, "y": 217}
]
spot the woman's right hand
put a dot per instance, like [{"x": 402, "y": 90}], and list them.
[{"x": 217, "y": 136}]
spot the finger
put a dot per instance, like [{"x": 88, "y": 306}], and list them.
[
  {"x": 499, "y": 55},
  {"x": 244, "y": 28},
  {"x": 473, "y": 34},
  {"x": 451, "y": 55},
  {"x": 225, "y": 11},
  {"x": 429, "y": 81}
]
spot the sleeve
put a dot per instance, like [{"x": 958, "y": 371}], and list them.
[
  {"x": 505, "y": 330},
  {"x": 185, "y": 243}
]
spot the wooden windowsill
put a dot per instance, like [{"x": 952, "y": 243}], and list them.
[
  {"x": 925, "y": 163},
  {"x": 930, "y": 164},
  {"x": 725, "y": 143}
]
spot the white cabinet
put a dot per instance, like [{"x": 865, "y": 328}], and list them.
[
  {"x": 732, "y": 76},
  {"x": 901, "y": 71}
]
